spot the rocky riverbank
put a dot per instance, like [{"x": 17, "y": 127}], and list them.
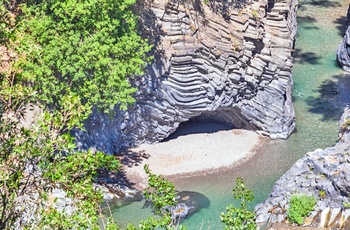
[
  {"x": 323, "y": 174},
  {"x": 343, "y": 52}
]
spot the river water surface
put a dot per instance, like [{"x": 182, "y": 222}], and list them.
[{"x": 321, "y": 91}]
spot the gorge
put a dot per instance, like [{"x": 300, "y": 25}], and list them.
[{"x": 320, "y": 95}]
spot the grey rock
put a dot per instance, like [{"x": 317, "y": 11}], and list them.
[
  {"x": 263, "y": 218},
  {"x": 327, "y": 171},
  {"x": 343, "y": 52}
]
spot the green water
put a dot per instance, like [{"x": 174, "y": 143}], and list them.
[{"x": 320, "y": 95}]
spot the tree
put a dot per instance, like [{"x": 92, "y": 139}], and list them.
[
  {"x": 161, "y": 193},
  {"x": 87, "y": 48},
  {"x": 240, "y": 218},
  {"x": 63, "y": 57}
]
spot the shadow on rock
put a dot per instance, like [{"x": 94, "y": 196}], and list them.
[
  {"x": 131, "y": 158},
  {"x": 196, "y": 127},
  {"x": 117, "y": 190}
]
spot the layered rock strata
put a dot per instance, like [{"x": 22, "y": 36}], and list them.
[
  {"x": 221, "y": 61},
  {"x": 323, "y": 174}
]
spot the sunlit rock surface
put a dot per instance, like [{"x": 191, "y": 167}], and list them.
[
  {"x": 217, "y": 61},
  {"x": 343, "y": 52}
]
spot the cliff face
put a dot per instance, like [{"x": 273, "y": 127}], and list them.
[
  {"x": 214, "y": 61},
  {"x": 343, "y": 52},
  {"x": 323, "y": 174}
]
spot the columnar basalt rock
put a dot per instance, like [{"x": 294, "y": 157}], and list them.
[
  {"x": 214, "y": 61},
  {"x": 323, "y": 174}
]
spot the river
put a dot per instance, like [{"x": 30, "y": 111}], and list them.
[{"x": 320, "y": 95}]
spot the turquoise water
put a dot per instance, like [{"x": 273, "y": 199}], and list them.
[{"x": 320, "y": 95}]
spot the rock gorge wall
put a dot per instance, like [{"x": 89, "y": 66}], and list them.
[
  {"x": 343, "y": 52},
  {"x": 220, "y": 61},
  {"x": 323, "y": 174}
]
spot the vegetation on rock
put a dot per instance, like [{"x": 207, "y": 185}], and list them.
[{"x": 300, "y": 206}]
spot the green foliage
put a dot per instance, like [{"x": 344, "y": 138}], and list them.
[
  {"x": 90, "y": 51},
  {"x": 6, "y": 25},
  {"x": 152, "y": 223},
  {"x": 49, "y": 150},
  {"x": 162, "y": 194},
  {"x": 38, "y": 154},
  {"x": 240, "y": 218},
  {"x": 322, "y": 194},
  {"x": 64, "y": 57},
  {"x": 160, "y": 191},
  {"x": 300, "y": 205},
  {"x": 255, "y": 14},
  {"x": 346, "y": 204}
]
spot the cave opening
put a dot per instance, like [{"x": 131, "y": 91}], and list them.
[
  {"x": 211, "y": 122},
  {"x": 193, "y": 126}
]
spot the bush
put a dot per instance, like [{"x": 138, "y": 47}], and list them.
[{"x": 300, "y": 206}]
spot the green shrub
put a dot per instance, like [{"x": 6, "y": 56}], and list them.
[
  {"x": 300, "y": 205},
  {"x": 240, "y": 218},
  {"x": 346, "y": 204}
]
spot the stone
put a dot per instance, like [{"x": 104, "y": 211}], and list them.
[
  {"x": 344, "y": 219},
  {"x": 325, "y": 215},
  {"x": 334, "y": 218},
  {"x": 263, "y": 218}
]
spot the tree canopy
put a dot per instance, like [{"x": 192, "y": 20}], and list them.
[{"x": 86, "y": 48}]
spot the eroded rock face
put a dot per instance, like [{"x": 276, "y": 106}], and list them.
[
  {"x": 213, "y": 62},
  {"x": 323, "y": 174},
  {"x": 343, "y": 52}
]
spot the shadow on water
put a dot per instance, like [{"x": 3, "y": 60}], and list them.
[
  {"x": 318, "y": 3},
  {"x": 341, "y": 25},
  {"x": 306, "y": 19},
  {"x": 195, "y": 127},
  {"x": 334, "y": 96},
  {"x": 307, "y": 22},
  {"x": 301, "y": 57}
]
